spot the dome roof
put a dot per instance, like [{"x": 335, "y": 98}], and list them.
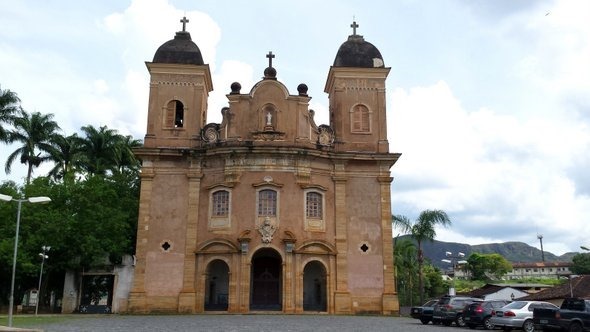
[
  {"x": 181, "y": 50},
  {"x": 356, "y": 52}
]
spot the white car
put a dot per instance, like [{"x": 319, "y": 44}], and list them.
[{"x": 518, "y": 314}]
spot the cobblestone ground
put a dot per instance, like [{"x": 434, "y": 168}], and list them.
[{"x": 242, "y": 323}]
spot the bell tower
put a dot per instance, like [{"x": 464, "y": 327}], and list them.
[
  {"x": 356, "y": 88},
  {"x": 179, "y": 87}
]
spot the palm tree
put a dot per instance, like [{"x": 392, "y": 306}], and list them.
[
  {"x": 8, "y": 108},
  {"x": 405, "y": 266},
  {"x": 422, "y": 230},
  {"x": 35, "y": 132},
  {"x": 124, "y": 157},
  {"x": 65, "y": 155},
  {"x": 99, "y": 148}
]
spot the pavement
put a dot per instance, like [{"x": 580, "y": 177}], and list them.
[{"x": 235, "y": 322}]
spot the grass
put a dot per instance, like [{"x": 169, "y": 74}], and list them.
[{"x": 36, "y": 321}]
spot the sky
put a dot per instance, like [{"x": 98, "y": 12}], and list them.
[{"x": 488, "y": 101}]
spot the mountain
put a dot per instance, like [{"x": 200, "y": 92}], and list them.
[{"x": 514, "y": 252}]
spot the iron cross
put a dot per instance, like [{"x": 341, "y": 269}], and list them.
[
  {"x": 184, "y": 22},
  {"x": 354, "y": 26},
  {"x": 270, "y": 56}
]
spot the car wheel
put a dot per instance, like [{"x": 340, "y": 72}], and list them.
[
  {"x": 472, "y": 326},
  {"x": 460, "y": 321},
  {"x": 447, "y": 322},
  {"x": 424, "y": 320},
  {"x": 528, "y": 326},
  {"x": 487, "y": 323},
  {"x": 576, "y": 327}
]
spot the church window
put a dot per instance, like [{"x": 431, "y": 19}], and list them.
[
  {"x": 360, "y": 119},
  {"x": 220, "y": 203},
  {"x": 267, "y": 203},
  {"x": 314, "y": 208},
  {"x": 175, "y": 114}
]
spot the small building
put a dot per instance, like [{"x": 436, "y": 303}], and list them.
[
  {"x": 550, "y": 270},
  {"x": 507, "y": 292},
  {"x": 574, "y": 287}
]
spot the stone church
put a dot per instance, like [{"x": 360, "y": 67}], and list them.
[{"x": 265, "y": 211}]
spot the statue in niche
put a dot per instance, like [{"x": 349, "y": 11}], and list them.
[{"x": 268, "y": 119}]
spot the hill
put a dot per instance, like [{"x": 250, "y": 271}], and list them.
[{"x": 514, "y": 252}]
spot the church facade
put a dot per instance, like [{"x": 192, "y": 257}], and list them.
[{"x": 265, "y": 211}]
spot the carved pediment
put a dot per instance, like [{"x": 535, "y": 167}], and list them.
[
  {"x": 316, "y": 247},
  {"x": 217, "y": 246}
]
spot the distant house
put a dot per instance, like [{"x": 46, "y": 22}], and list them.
[
  {"x": 574, "y": 287},
  {"x": 550, "y": 270},
  {"x": 506, "y": 291}
]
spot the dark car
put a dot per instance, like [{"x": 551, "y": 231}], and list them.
[
  {"x": 424, "y": 312},
  {"x": 479, "y": 313},
  {"x": 449, "y": 309}
]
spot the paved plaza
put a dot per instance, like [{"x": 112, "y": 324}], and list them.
[{"x": 228, "y": 323}]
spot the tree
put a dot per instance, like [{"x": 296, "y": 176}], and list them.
[
  {"x": 484, "y": 265},
  {"x": 406, "y": 268},
  {"x": 35, "y": 133},
  {"x": 66, "y": 156},
  {"x": 581, "y": 263},
  {"x": 9, "y": 106},
  {"x": 106, "y": 152},
  {"x": 422, "y": 230}
]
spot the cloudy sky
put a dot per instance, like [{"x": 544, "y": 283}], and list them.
[{"x": 488, "y": 101}]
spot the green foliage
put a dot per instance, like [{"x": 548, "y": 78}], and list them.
[
  {"x": 86, "y": 222},
  {"x": 581, "y": 263},
  {"x": 484, "y": 266},
  {"x": 423, "y": 229}
]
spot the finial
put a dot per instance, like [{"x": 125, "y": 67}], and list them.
[
  {"x": 184, "y": 21},
  {"x": 354, "y": 26},
  {"x": 270, "y": 56}
]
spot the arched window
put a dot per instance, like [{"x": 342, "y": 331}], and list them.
[
  {"x": 267, "y": 203},
  {"x": 220, "y": 203},
  {"x": 313, "y": 205},
  {"x": 360, "y": 119},
  {"x": 175, "y": 114}
]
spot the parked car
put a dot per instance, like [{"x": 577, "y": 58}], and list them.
[
  {"x": 424, "y": 312},
  {"x": 573, "y": 315},
  {"x": 480, "y": 313},
  {"x": 518, "y": 314},
  {"x": 449, "y": 309}
]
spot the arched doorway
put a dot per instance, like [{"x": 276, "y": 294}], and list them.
[
  {"x": 217, "y": 286},
  {"x": 314, "y": 287},
  {"x": 266, "y": 281}
]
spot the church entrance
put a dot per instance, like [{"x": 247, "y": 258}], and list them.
[
  {"x": 314, "y": 287},
  {"x": 217, "y": 286},
  {"x": 265, "y": 280}
]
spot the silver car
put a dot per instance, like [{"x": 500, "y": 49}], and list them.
[{"x": 518, "y": 314}]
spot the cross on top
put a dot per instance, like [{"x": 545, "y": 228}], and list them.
[
  {"x": 354, "y": 26},
  {"x": 184, "y": 21},
  {"x": 270, "y": 56}
]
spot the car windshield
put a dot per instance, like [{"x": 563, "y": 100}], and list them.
[
  {"x": 444, "y": 300},
  {"x": 430, "y": 303},
  {"x": 515, "y": 305}
]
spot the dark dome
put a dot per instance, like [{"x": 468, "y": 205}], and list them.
[
  {"x": 181, "y": 50},
  {"x": 356, "y": 52}
]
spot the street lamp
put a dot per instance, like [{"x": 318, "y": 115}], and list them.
[
  {"x": 32, "y": 200},
  {"x": 43, "y": 258},
  {"x": 453, "y": 260},
  {"x": 584, "y": 248}
]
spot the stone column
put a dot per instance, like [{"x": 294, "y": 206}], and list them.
[
  {"x": 186, "y": 299},
  {"x": 390, "y": 303},
  {"x": 342, "y": 300},
  {"x": 137, "y": 297}
]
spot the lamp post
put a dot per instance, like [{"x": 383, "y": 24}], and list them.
[
  {"x": 44, "y": 256},
  {"x": 33, "y": 200},
  {"x": 454, "y": 260}
]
